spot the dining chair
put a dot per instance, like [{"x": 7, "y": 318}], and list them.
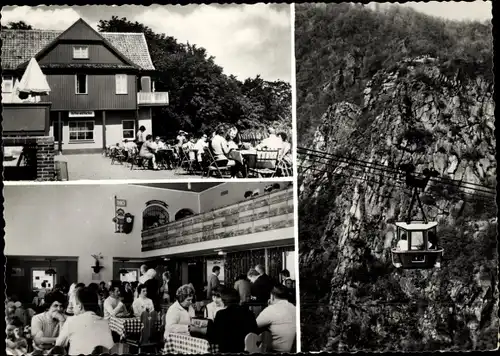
[
  {"x": 99, "y": 350},
  {"x": 149, "y": 334},
  {"x": 258, "y": 343},
  {"x": 138, "y": 161}
]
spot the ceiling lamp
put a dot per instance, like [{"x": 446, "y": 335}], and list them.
[{"x": 50, "y": 271}]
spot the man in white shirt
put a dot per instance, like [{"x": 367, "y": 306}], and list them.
[
  {"x": 279, "y": 317},
  {"x": 200, "y": 147},
  {"x": 403, "y": 243},
  {"x": 113, "y": 306},
  {"x": 272, "y": 142},
  {"x": 142, "y": 303},
  {"x": 86, "y": 330}
]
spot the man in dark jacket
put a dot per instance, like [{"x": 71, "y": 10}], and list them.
[
  {"x": 213, "y": 281},
  {"x": 231, "y": 324},
  {"x": 260, "y": 289}
]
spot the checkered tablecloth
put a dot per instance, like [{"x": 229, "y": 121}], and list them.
[
  {"x": 185, "y": 344},
  {"x": 124, "y": 326}
]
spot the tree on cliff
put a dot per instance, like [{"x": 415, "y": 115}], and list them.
[
  {"x": 201, "y": 95},
  {"x": 353, "y": 42}
]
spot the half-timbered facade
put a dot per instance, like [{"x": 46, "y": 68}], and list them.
[{"x": 101, "y": 87}]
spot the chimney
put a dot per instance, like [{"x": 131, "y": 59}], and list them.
[{"x": 146, "y": 84}]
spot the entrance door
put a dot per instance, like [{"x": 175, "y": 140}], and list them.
[{"x": 196, "y": 277}]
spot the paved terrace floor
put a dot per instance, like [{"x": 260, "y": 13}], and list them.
[{"x": 96, "y": 166}]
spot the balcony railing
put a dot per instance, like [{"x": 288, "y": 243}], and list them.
[
  {"x": 263, "y": 213},
  {"x": 152, "y": 98}
]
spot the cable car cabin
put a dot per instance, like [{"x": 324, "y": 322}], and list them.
[{"x": 417, "y": 246}]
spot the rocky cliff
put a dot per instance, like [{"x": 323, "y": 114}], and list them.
[{"x": 434, "y": 114}]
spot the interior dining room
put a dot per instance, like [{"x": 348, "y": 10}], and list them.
[{"x": 58, "y": 236}]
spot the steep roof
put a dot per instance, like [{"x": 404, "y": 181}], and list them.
[{"x": 19, "y": 46}]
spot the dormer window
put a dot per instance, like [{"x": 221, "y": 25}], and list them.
[{"x": 80, "y": 52}]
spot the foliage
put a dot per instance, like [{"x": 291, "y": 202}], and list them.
[
  {"x": 201, "y": 95},
  {"x": 355, "y": 42},
  {"x": 19, "y": 25}
]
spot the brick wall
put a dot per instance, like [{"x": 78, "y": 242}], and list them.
[
  {"x": 43, "y": 148},
  {"x": 45, "y": 169}
]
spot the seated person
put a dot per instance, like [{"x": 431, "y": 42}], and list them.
[
  {"x": 232, "y": 323},
  {"x": 290, "y": 288},
  {"x": 86, "y": 330},
  {"x": 113, "y": 306},
  {"x": 142, "y": 303},
  {"x": 200, "y": 146},
  {"x": 286, "y": 150},
  {"x": 231, "y": 135},
  {"x": 403, "y": 243},
  {"x": 15, "y": 342},
  {"x": 179, "y": 315},
  {"x": 45, "y": 327},
  {"x": 188, "y": 148},
  {"x": 272, "y": 142},
  {"x": 280, "y": 318},
  {"x": 432, "y": 240},
  {"x": 221, "y": 151},
  {"x": 212, "y": 308},
  {"x": 148, "y": 150}
]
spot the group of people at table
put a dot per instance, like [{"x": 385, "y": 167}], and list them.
[
  {"x": 224, "y": 145},
  {"x": 79, "y": 321}
]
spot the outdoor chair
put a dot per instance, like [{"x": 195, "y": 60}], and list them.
[
  {"x": 138, "y": 161},
  {"x": 184, "y": 162},
  {"x": 266, "y": 163},
  {"x": 214, "y": 165},
  {"x": 283, "y": 168},
  {"x": 117, "y": 155}
]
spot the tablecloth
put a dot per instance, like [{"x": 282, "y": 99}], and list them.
[
  {"x": 185, "y": 344},
  {"x": 124, "y": 326}
]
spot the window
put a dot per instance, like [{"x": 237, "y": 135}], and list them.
[
  {"x": 128, "y": 129},
  {"x": 7, "y": 84},
  {"x": 131, "y": 276},
  {"x": 38, "y": 277},
  {"x": 154, "y": 216},
  {"x": 121, "y": 83},
  {"x": 80, "y": 52},
  {"x": 81, "y": 131},
  {"x": 81, "y": 84}
]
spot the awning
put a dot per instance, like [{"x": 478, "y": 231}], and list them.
[{"x": 33, "y": 81}]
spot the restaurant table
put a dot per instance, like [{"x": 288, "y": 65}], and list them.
[
  {"x": 186, "y": 344},
  {"x": 126, "y": 326}
]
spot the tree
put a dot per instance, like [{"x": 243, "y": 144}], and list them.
[
  {"x": 18, "y": 25},
  {"x": 201, "y": 95}
]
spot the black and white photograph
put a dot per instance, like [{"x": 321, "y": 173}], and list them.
[
  {"x": 396, "y": 177},
  {"x": 146, "y": 92},
  {"x": 156, "y": 268}
]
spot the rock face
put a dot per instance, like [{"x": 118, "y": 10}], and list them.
[{"x": 413, "y": 113}]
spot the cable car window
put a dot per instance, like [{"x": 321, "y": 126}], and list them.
[{"x": 417, "y": 240}]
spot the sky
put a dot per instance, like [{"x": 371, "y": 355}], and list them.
[
  {"x": 246, "y": 40},
  {"x": 451, "y": 10}
]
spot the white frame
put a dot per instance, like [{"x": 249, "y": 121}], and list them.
[
  {"x": 11, "y": 81},
  {"x": 125, "y": 87},
  {"x": 41, "y": 269},
  {"x": 79, "y": 52},
  {"x": 86, "y": 84},
  {"x": 133, "y": 130},
  {"x": 78, "y": 140}
]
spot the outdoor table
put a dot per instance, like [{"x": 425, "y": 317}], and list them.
[
  {"x": 127, "y": 326},
  {"x": 186, "y": 344}
]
